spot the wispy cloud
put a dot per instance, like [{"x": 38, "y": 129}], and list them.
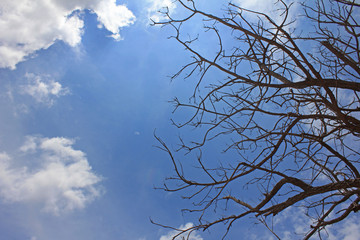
[
  {"x": 172, "y": 234},
  {"x": 294, "y": 223},
  {"x": 347, "y": 230},
  {"x": 43, "y": 89},
  {"x": 49, "y": 172},
  {"x": 33, "y": 25}
]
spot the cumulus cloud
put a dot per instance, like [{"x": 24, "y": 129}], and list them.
[
  {"x": 32, "y": 25},
  {"x": 155, "y": 7},
  {"x": 43, "y": 88},
  {"x": 193, "y": 235},
  {"x": 113, "y": 17},
  {"x": 49, "y": 172}
]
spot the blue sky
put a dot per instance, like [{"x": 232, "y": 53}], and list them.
[
  {"x": 79, "y": 107},
  {"x": 84, "y": 86}
]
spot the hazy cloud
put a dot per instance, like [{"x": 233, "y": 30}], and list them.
[
  {"x": 257, "y": 5},
  {"x": 272, "y": 8},
  {"x": 155, "y": 7},
  {"x": 31, "y": 25},
  {"x": 49, "y": 172}
]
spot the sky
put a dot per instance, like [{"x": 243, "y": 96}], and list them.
[{"x": 84, "y": 85}]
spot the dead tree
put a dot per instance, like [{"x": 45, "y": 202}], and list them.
[{"x": 282, "y": 92}]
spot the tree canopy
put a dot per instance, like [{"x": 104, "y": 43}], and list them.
[{"x": 280, "y": 91}]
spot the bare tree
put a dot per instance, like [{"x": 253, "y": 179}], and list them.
[{"x": 282, "y": 92}]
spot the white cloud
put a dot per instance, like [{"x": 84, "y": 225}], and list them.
[
  {"x": 113, "y": 17},
  {"x": 54, "y": 175},
  {"x": 43, "y": 89},
  {"x": 193, "y": 235},
  {"x": 157, "y": 6},
  {"x": 31, "y": 25}
]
